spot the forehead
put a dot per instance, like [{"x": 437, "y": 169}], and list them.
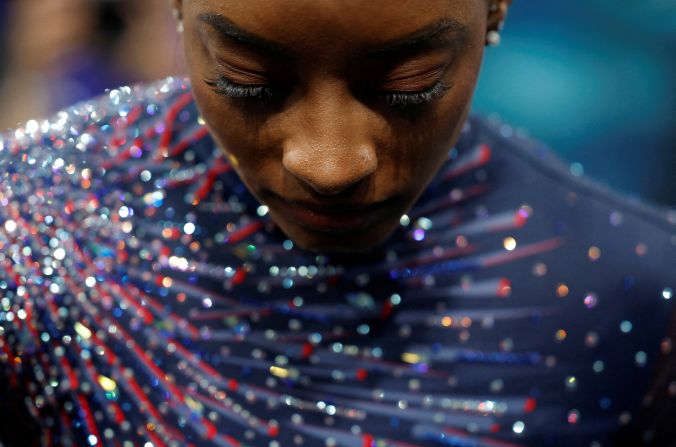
[{"x": 318, "y": 23}]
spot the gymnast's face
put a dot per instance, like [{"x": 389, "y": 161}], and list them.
[{"x": 335, "y": 114}]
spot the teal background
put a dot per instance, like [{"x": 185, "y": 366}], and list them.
[{"x": 596, "y": 80}]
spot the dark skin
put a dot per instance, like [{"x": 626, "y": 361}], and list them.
[{"x": 336, "y": 115}]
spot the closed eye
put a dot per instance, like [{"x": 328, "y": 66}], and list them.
[
  {"x": 226, "y": 87},
  {"x": 261, "y": 92},
  {"x": 417, "y": 98}
]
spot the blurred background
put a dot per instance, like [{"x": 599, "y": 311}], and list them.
[
  {"x": 56, "y": 52},
  {"x": 595, "y": 79}
]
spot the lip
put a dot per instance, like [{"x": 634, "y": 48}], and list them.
[{"x": 331, "y": 217}]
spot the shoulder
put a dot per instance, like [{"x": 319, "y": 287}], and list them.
[
  {"x": 580, "y": 207},
  {"x": 606, "y": 232},
  {"x": 74, "y": 171},
  {"x": 100, "y": 125},
  {"x": 76, "y": 190},
  {"x": 518, "y": 153},
  {"x": 71, "y": 182},
  {"x": 621, "y": 248},
  {"x": 87, "y": 150}
]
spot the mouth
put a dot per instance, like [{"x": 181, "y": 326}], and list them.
[{"x": 340, "y": 218}]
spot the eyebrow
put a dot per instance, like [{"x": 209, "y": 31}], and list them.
[
  {"x": 228, "y": 29},
  {"x": 440, "y": 33}
]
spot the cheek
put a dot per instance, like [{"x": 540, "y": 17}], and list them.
[
  {"x": 424, "y": 142},
  {"x": 446, "y": 122},
  {"x": 423, "y": 145},
  {"x": 231, "y": 128},
  {"x": 241, "y": 135}
]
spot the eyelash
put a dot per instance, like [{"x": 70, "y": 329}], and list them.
[
  {"x": 420, "y": 98},
  {"x": 225, "y": 87}
]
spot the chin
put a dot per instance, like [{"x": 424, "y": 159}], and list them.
[{"x": 339, "y": 242}]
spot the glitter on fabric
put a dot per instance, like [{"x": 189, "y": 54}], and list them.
[{"x": 147, "y": 299}]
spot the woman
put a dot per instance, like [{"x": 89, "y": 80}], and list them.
[{"x": 330, "y": 252}]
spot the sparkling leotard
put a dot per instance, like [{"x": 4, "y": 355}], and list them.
[{"x": 146, "y": 298}]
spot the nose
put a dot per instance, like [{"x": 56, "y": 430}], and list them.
[
  {"x": 330, "y": 169},
  {"x": 329, "y": 149}
]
